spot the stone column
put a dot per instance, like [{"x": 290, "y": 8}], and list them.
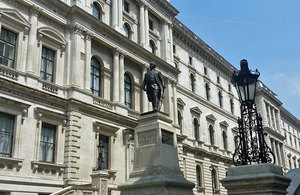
[
  {"x": 147, "y": 27},
  {"x": 87, "y": 61},
  {"x": 164, "y": 50},
  {"x": 278, "y": 153},
  {"x": 175, "y": 102},
  {"x": 171, "y": 42},
  {"x": 270, "y": 118},
  {"x": 274, "y": 122},
  {"x": 76, "y": 74},
  {"x": 120, "y": 12},
  {"x": 142, "y": 22},
  {"x": 115, "y": 14},
  {"x": 283, "y": 157},
  {"x": 144, "y": 95},
  {"x": 32, "y": 37},
  {"x": 116, "y": 78},
  {"x": 122, "y": 72}
]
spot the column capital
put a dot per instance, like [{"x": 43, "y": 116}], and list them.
[
  {"x": 88, "y": 34},
  {"x": 35, "y": 10},
  {"x": 141, "y": 2}
]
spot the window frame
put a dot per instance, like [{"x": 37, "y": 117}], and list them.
[
  {"x": 196, "y": 129},
  {"x": 152, "y": 46},
  {"x": 6, "y": 43},
  {"x": 220, "y": 96},
  {"x": 127, "y": 30},
  {"x": 192, "y": 82},
  {"x": 99, "y": 77},
  {"x": 12, "y": 136},
  {"x": 54, "y": 150},
  {"x": 46, "y": 66},
  {"x": 211, "y": 134},
  {"x": 126, "y": 7},
  {"x": 99, "y": 9},
  {"x": 207, "y": 91},
  {"x": 128, "y": 87}
]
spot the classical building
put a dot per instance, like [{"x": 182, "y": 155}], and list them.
[{"x": 71, "y": 74}]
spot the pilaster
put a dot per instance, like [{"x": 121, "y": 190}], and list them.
[
  {"x": 147, "y": 27},
  {"x": 144, "y": 95},
  {"x": 88, "y": 36},
  {"x": 142, "y": 22},
  {"x": 121, "y": 85},
  {"x": 116, "y": 76}
]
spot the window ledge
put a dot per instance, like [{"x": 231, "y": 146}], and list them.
[
  {"x": 8, "y": 72},
  {"x": 47, "y": 168},
  {"x": 200, "y": 189},
  {"x": 50, "y": 87},
  {"x": 102, "y": 102},
  {"x": 107, "y": 173},
  {"x": 10, "y": 163}
]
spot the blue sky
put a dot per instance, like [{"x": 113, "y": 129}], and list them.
[{"x": 265, "y": 32}]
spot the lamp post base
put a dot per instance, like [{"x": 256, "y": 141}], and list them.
[{"x": 263, "y": 179}]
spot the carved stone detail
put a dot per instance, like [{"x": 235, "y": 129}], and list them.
[{"x": 147, "y": 138}]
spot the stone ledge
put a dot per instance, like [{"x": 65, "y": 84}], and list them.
[{"x": 10, "y": 163}]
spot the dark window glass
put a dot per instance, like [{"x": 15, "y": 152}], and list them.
[
  {"x": 151, "y": 24},
  {"x": 104, "y": 141},
  {"x": 128, "y": 90},
  {"x": 174, "y": 49},
  {"x": 152, "y": 46},
  {"x": 211, "y": 135},
  {"x": 179, "y": 120},
  {"x": 224, "y": 140},
  {"x": 47, "y": 64},
  {"x": 126, "y": 30},
  {"x": 47, "y": 143},
  {"x": 198, "y": 176},
  {"x": 220, "y": 99},
  {"x": 214, "y": 179},
  {"x": 236, "y": 141},
  {"x": 231, "y": 106},
  {"x": 196, "y": 129},
  {"x": 205, "y": 70},
  {"x": 218, "y": 79},
  {"x": 6, "y": 134},
  {"x": 229, "y": 87},
  {"x": 126, "y": 6},
  {"x": 96, "y": 11},
  {"x": 207, "y": 90},
  {"x": 192, "y": 78},
  {"x": 190, "y": 60},
  {"x": 7, "y": 47},
  {"x": 95, "y": 76}
]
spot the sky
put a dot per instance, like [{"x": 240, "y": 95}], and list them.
[{"x": 265, "y": 32}]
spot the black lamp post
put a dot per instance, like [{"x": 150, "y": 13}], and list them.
[
  {"x": 100, "y": 155},
  {"x": 252, "y": 147}
]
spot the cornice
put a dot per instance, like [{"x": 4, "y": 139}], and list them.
[
  {"x": 284, "y": 113},
  {"x": 164, "y": 7},
  {"x": 187, "y": 36},
  {"x": 264, "y": 90}
]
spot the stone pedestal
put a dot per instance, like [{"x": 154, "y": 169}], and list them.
[
  {"x": 262, "y": 179},
  {"x": 156, "y": 167},
  {"x": 100, "y": 180}
]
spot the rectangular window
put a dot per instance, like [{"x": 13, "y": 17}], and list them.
[
  {"x": 190, "y": 60},
  {"x": 8, "y": 41},
  {"x": 103, "y": 152},
  {"x": 218, "y": 79},
  {"x": 47, "y": 64},
  {"x": 126, "y": 6},
  {"x": 229, "y": 87},
  {"x": 6, "y": 134},
  {"x": 150, "y": 24},
  {"x": 47, "y": 143},
  {"x": 205, "y": 71},
  {"x": 174, "y": 49}
]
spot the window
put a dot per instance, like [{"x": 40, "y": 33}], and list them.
[
  {"x": 152, "y": 46},
  {"x": 211, "y": 135},
  {"x": 6, "y": 134},
  {"x": 47, "y": 143},
  {"x": 127, "y": 30},
  {"x": 179, "y": 120},
  {"x": 190, "y": 60},
  {"x": 150, "y": 24},
  {"x": 231, "y": 106},
  {"x": 196, "y": 129},
  {"x": 207, "y": 90},
  {"x": 95, "y": 76},
  {"x": 229, "y": 87},
  {"x": 205, "y": 71},
  {"x": 220, "y": 99},
  {"x": 290, "y": 162},
  {"x": 47, "y": 64},
  {"x": 7, "y": 47},
  {"x": 174, "y": 49},
  {"x": 214, "y": 179},
  {"x": 96, "y": 11},
  {"x": 224, "y": 140},
  {"x": 218, "y": 79},
  {"x": 128, "y": 90},
  {"x": 192, "y": 79},
  {"x": 236, "y": 142},
  {"x": 104, "y": 154},
  {"x": 199, "y": 176},
  {"x": 126, "y": 6}
]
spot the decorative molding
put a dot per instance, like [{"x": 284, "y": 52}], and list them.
[
  {"x": 7, "y": 164},
  {"x": 196, "y": 111},
  {"x": 15, "y": 16},
  {"x": 224, "y": 124},
  {"x": 211, "y": 117}
]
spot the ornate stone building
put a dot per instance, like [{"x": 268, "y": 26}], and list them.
[{"x": 71, "y": 75}]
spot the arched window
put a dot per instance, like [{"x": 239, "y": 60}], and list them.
[
  {"x": 231, "y": 106},
  {"x": 220, "y": 99},
  {"x": 192, "y": 80},
  {"x": 179, "y": 120},
  {"x": 214, "y": 179},
  {"x": 152, "y": 46},
  {"x": 224, "y": 140},
  {"x": 95, "y": 76},
  {"x": 196, "y": 129},
  {"x": 207, "y": 90},
  {"x": 96, "y": 11},
  {"x": 128, "y": 90},
  {"x": 199, "y": 176},
  {"x": 127, "y": 30},
  {"x": 236, "y": 141},
  {"x": 211, "y": 135}
]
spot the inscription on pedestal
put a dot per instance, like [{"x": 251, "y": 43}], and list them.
[{"x": 146, "y": 138}]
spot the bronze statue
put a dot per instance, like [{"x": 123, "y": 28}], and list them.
[{"x": 154, "y": 86}]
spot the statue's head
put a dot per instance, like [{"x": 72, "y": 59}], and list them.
[{"x": 152, "y": 65}]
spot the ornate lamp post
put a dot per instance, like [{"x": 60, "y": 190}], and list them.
[
  {"x": 100, "y": 155},
  {"x": 252, "y": 148}
]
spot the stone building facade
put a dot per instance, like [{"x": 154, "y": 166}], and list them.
[{"x": 71, "y": 75}]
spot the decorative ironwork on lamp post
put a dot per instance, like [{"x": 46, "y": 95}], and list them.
[{"x": 252, "y": 147}]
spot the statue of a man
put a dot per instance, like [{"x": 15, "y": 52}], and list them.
[{"x": 154, "y": 86}]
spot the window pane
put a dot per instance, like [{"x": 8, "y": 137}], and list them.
[
  {"x": 49, "y": 78},
  {"x": 47, "y": 142},
  {"x": 47, "y": 64},
  {"x": 10, "y": 52},
  {"x": 6, "y": 134},
  {"x": 43, "y": 65},
  {"x": 1, "y": 48},
  {"x": 50, "y": 67},
  {"x": 10, "y": 63},
  {"x": 50, "y": 55},
  {"x": 11, "y": 38},
  {"x": 44, "y": 52}
]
